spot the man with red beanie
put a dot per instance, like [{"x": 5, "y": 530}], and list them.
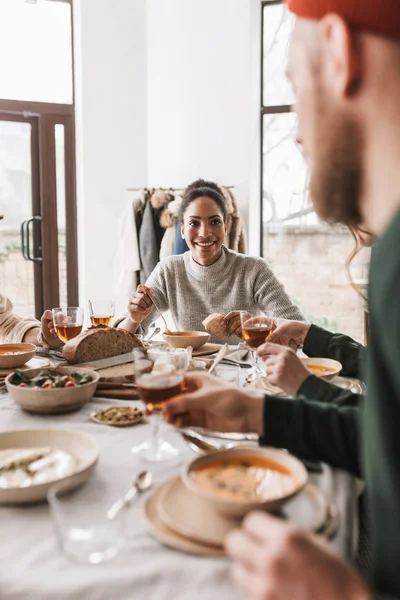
[{"x": 344, "y": 64}]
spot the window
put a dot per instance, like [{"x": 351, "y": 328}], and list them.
[{"x": 307, "y": 256}]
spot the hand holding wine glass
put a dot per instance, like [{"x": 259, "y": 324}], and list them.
[
  {"x": 68, "y": 322},
  {"x": 156, "y": 383},
  {"x": 255, "y": 331}
]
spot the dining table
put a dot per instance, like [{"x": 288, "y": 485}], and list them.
[{"x": 33, "y": 566}]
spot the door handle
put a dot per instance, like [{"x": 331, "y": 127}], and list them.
[{"x": 25, "y": 239}]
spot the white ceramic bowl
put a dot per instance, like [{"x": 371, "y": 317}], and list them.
[
  {"x": 83, "y": 447},
  {"x": 196, "y": 339},
  {"x": 8, "y": 360},
  {"x": 238, "y": 508},
  {"x": 53, "y": 401},
  {"x": 333, "y": 366}
]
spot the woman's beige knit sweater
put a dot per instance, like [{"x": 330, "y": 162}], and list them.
[{"x": 235, "y": 282}]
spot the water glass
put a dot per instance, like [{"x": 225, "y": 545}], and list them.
[
  {"x": 80, "y": 521},
  {"x": 228, "y": 373},
  {"x": 101, "y": 312}
]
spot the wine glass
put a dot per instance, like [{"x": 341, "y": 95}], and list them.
[
  {"x": 101, "y": 312},
  {"x": 156, "y": 382},
  {"x": 255, "y": 330},
  {"x": 68, "y": 322}
]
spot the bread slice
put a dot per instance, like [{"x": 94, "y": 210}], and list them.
[
  {"x": 215, "y": 325},
  {"x": 94, "y": 344}
]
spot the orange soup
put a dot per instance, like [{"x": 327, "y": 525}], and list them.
[
  {"x": 6, "y": 350},
  {"x": 320, "y": 371},
  {"x": 246, "y": 480}
]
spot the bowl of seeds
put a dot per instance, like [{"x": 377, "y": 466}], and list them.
[{"x": 118, "y": 416}]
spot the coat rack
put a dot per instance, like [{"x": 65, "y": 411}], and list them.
[{"x": 167, "y": 189}]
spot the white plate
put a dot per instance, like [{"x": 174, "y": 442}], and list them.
[
  {"x": 346, "y": 383},
  {"x": 188, "y": 515},
  {"x": 83, "y": 447}
]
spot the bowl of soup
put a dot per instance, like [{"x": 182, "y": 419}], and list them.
[
  {"x": 184, "y": 339},
  {"x": 326, "y": 368},
  {"x": 238, "y": 480},
  {"x": 15, "y": 355}
]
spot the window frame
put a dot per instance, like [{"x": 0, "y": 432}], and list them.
[
  {"x": 47, "y": 115},
  {"x": 272, "y": 109}
]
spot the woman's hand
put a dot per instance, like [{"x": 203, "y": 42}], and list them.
[
  {"x": 289, "y": 333},
  {"x": 210, "y": 403},
  {"x": 140, "y": 304},
  {"x": 233, "y": 323},
  {"x": 283, "y": 368},
  {"x": 48, "y": 332},
  {"x": 273, "y": 560}
]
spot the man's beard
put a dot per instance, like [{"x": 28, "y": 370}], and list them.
[{"x": 336, "y": 177}]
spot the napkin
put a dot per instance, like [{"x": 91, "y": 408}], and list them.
[{"x": 242, "y": 355}]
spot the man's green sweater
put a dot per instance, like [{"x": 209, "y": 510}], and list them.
[{"x": 363, "y": 439}]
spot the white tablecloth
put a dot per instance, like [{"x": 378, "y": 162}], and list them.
[{"x": 33, "y": 567}]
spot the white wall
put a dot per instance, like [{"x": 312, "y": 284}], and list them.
[
  {"x": 200, "y": 92},
  {"x": 111, "y": 108},
  {"x": 166, "y": 92}
]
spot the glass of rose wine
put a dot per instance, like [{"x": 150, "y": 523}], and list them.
[
  {"x": 101, "y": 312},
  {"x": 68, "y": 322},
  {"x": 255, "y": 331},
  {"x": 156, "y": 383}
]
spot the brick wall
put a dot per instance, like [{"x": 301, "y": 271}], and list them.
[{"x": 310, "y": 263}]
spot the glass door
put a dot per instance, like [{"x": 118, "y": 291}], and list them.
[{"x": 20, "y": 227}]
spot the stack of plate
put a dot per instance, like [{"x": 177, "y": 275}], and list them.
[
  {"x": 182, "y": 520},
  {"x": 346, "y": 383}
]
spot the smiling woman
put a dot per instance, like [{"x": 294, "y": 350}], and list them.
[{"x": 209, "y": 278}]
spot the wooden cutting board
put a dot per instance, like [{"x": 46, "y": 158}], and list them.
[{"x": 118, "y": 393}]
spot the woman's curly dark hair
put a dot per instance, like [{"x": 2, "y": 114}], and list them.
[{"x": 199, "y": 189}]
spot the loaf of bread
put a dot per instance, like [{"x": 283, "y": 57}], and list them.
[
  {"x": 94, "y": 344},
  {"x": 216, "y": 325}
]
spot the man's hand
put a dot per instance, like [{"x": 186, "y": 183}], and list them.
[
  {"x": 283, "y": 368},
  {"x": 289, "y": 333},
  {"x": 48, "y": 331},
  {"x": 233, "y": 323},
  {"x": 274, "y": 560},
  {"x": 210, "y": 403}
]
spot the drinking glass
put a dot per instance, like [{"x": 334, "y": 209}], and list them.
[
  {"x": 101, "y": 312},
  {"x": 68, "y": 322},
  {"x": 228, "y": 373},
  {"x": 80, "y": 521},
  {"x": 155, "y": 386},
  {"x": 255, "y": 330}
]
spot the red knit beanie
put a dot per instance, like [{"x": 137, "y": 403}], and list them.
[{"x": 381, "y": 17}]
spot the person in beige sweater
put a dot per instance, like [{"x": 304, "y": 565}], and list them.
[{"x": 15, "y": 329}]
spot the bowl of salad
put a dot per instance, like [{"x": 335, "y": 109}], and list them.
[{"x": 52, "y": 391}]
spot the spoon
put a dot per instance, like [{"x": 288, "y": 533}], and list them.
[
  {"x": 167, "y": 331},
  {"x": 155, "y": 332},
  {"x": 141, "y": 484},
  {"x": 201, "y": 446}
]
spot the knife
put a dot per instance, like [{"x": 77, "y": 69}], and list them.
[
  {"x": 112, "y": 361},
  {"x": 221, "y": 353}
]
